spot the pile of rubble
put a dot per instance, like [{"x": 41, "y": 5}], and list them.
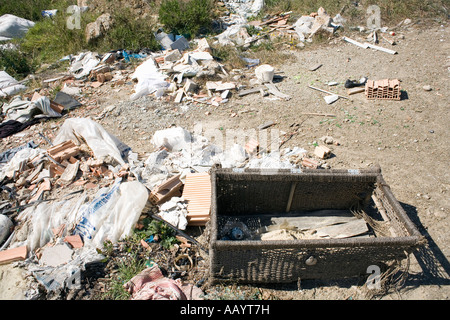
[{"x": 61, "y": 204}]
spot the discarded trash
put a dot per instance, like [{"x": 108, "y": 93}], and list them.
[
  {"x": 173, "y": 139},
  {"x": 315, "y": 67},
  {"x": 166, "y": 190},
  {"x": 197, "y": 193},
  {"x": 9, "y": 86},
  {"x": 331, "y": 98},
  {"x": 322, "y": 152},
  {"x": 82, "y": 64},
  {"x": 328, "y": 92},
  {"x": 13, "y": 27},
  {"x": 24, "y": 110},
  {"x": 163, "y": 38},
  {"x": 355, "y": 83},
  {"x": 49, "y": 13},
  {"x": 149, "y": 79},
  {"x": 265, "y": 73},
  {"x": 150, "y": 284},
  {"x": 6, "y": 226},
  {"x": 383, "y": 89},
  {"x": 103, "y": 144},
  {"x": 14, "y": 254},
  {"x": 366, "y": 45},
  {"x": 113, "y": 213},
  {"x": 175, "y": 212},
  {"x": 180, "y": 43},
  {"x": 54, "y": 256},
  {"x": 251, "y": 62},
  {"x": 66, "y": 101},
  {"x": 128, "y": 56}
]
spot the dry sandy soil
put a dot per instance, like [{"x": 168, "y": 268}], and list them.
[{"x": 407, "y": 138}]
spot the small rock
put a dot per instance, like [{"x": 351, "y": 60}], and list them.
[{"x": 427, "y": 88}]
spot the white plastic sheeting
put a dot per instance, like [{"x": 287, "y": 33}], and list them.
[
  {"x": 101, "y": 142},
  {"x": 24, "y": 110},
  {"x": 9, "y": 86},
  {"x": 82, "y": 64},
  {"x": 150, "y": 79},
  {"x": 113, "y": 213},
  {"x": 173, "y": 139},
  {"x": 13, "y": 27},
  {"x": 7, "y": 170}
]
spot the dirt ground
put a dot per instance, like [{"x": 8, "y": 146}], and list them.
[{"x": 408, "y": 139}]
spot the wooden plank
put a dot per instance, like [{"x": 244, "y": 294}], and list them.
[
  {"x": 325, "y": 91},
  {"x": 315, "y": 219},
  {"x": 344, "y": 230},
  {"x": 355, "y": 90},
  {"x": 242, "y": 93}
]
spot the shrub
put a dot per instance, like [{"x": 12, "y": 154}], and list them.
[
  {"x": 186, "y": 17},
  {"x": 128, "y": 32},
  {"x": 15, "y": 63},
  {"x": 51, "y": 39}
]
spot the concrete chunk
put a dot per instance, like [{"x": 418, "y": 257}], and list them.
[{"x": 190, "y": 86}]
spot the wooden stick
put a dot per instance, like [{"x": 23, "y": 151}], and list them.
[
  {"x": 291, "y": 195},
  {"x": 318, "y": 89},
  {"x": 318, "y": 114}
]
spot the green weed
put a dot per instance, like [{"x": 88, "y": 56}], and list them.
[
  {"x": 15, "y": 63},
  {"x": 27, "y": 9},
  {"x": 128, "y": 32},
  {"x": 126, "y": 270},
  {"x": 186, "y": 17}
]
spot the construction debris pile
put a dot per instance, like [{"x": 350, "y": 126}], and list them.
[
  {"x": 59, "y": 205},
  {"x": 88, "y": 187}
]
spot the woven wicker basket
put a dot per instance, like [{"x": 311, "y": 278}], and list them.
[{"x": 248, "y": 195}]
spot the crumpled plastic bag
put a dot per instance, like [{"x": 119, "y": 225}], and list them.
[
  {"x": 150, "y": 79},
  {"x": 82, "y": 64},
  {"x": 101, "y": 142},
  {"x": 7, "y": 170},
  {"x": 112, "y": 214},
  {"x": 8, "y": 85},
  {"x": 173, "y": 139}
]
